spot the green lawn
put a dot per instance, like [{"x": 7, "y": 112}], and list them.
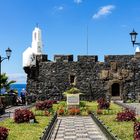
[
  {"x": 124, "y": 130},
  {"x": 26, "y": 131}
]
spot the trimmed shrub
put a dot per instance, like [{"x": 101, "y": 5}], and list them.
[
  {"x": 103, "y": 104},
  {"x": 23, "y": 115},
  {"x": 126, "y": 115},
  {"x": 42, "y": 105},
  {"x": 137, "y": 131},
  {"x": 3, "y": 133}
]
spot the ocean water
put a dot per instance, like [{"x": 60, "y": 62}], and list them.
[{"x": 18, "y": 87}]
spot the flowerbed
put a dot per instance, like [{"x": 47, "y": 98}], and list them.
[
  {"x": 23, "y": 115},
  {"x": 74, "y": 111},
  {"x": 42, "y": 105},
  {"x": 126, "y": 115},
  {"x": 3, "y": 133},
  {"x": 103, "y": 104},
  {"x": 137, "y": 131}
]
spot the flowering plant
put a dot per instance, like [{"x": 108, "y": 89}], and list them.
[
  {"x": 3, "y": 133},
  {"x": 23, "y": 115},
  {"x": 103, "y": 104},
  {"x": 136, "y": 130},
  {"x": 126, "y": 115}
]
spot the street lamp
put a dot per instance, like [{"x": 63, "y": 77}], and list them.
[
  {"x": 133, "y": 35},
  {"x": 8, "y": 54}
]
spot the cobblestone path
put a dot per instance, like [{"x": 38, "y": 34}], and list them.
[{"x": 77, "y": 128}]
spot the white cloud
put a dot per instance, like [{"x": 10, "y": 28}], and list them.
[
  {"x": 18, "y": 77},
  {"x": 124, "y": 26},
  {"x": 57, "y": 9},
  {"x": 78, "y": 1},
  {"x": 60, "y": 8},
  {"x": 103, "y": 11}
]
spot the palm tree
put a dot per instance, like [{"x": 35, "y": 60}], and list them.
[{"x": 5, "y": 83}]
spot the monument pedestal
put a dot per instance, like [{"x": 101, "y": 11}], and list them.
[{"x": 72, "y": 101}]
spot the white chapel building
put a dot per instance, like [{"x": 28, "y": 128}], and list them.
[{"x": 29, "y": 58}]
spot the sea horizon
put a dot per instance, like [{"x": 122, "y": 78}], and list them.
[{"x": 18, "y": 87}]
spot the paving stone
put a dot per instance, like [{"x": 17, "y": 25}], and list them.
[
  {"x": 78, "y": 128},
  {"x": 59, "y": 135},
  {"x": 83, "y": 139},
  {"x": 60, "y": 132},
  {"x": 59, "y": 139},
  {"x": 70, "y": 137},
  {"x": 93, "y": 133},
  {"x": 96, "y": 136},
  {"x": 69, "y": 133}
]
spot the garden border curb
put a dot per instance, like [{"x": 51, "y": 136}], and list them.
[
  {"x": 104, "y": 128},
  {"x": 49, "y": 129}
]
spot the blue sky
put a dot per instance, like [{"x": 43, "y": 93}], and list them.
[{"x": 64, "y": 28}]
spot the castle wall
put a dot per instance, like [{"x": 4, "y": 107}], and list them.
[{"x": 93, "y": 78}]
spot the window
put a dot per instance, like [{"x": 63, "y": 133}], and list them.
[
  {"x": 72, "y": 79},
  {"x": 35, "y": 36}
]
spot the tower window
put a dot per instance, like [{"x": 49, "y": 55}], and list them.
[
  {"x": 72, "y": 79},
  {"x": 35, "y": 36}
]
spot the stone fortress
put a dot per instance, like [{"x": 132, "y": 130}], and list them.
[{"x": 117, "y": 77}]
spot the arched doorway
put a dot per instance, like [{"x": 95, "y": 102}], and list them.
[{"x": 115, "y": 89}]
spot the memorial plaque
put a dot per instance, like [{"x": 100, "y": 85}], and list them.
[{"x": 72, "y": 99}]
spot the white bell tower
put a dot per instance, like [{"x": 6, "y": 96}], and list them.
[
  {"x": 36, "y": 41},
  {"x": 29, "y": 55}
]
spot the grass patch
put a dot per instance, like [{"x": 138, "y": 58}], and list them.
[
  {"x": 26, "y": 131},
  {"x": 124, "y": 130}
]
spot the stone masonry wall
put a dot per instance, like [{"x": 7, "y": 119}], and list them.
[{"x": 93, "y": 78}]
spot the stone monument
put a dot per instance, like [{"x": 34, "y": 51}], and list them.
[{"x": 73, "y": 99}]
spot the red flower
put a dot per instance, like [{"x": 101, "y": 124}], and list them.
[
  {"x": 23, "y": 115},
  {"x": 3, "y": 133}
]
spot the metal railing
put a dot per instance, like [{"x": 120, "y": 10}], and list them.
[
  {"x": 104, "y": 128},
  {"x": 49, "y": 129},
  {"x": 57, "y": 129}
]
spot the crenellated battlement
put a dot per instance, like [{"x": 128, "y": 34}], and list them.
[{"x": 87, "y": 58}]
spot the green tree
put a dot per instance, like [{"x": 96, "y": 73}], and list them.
[{"x": 4, "y": 83}]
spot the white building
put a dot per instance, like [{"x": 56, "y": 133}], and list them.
[{"x": 29, "y": 58}]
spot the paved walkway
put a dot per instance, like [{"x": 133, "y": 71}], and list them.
[
  {"x": 10, "y": 111},
  {"x": 77, "y": 128},
  {"x": 135, "y": 106}
]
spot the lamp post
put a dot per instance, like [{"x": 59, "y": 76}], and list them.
[
  {"x": 133, "y": 35},
  {"x": 8, "y": 54}
]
